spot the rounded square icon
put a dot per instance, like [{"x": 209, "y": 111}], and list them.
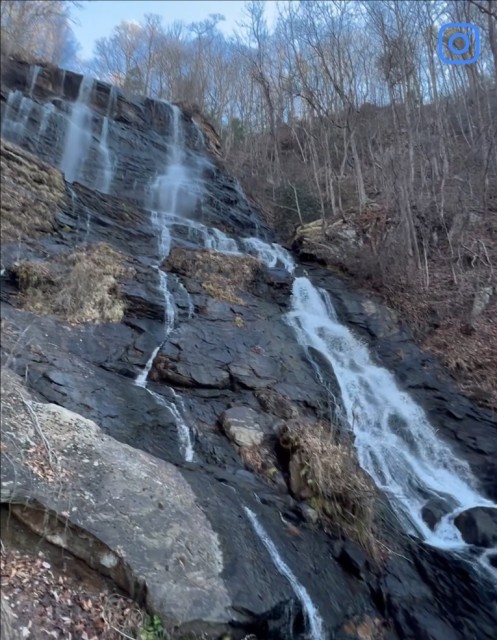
[{"x": 460, "y": 38}]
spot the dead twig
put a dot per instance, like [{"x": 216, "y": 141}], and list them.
[{"x": 39, "y": 430}]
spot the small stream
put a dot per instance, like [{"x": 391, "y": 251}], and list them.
[{"x": 170, "y": 198}]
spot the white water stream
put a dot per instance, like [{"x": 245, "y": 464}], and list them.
[
  {"x": 313, "y": 619},
  {"x": 395, "y": 442},
  {"x": 170, "y": 195},
  {"x": 107, "y": 163},
  {"x": 78, "y": 134}
]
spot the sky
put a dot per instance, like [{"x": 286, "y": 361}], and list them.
[{"x": 96, "y": 18}]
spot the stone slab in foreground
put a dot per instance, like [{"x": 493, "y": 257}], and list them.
[{"x": 129, "y": 515}]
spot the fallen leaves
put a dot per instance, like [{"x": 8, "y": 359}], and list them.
[
  {"x": 47, "y": 603},
  {"x": 37, "y": 461}
]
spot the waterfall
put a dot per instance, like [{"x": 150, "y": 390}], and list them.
[
  {"x": 16, "y": 115},
  {"x": 48, "y": 111},
  {"x": 141, "y": 378},
  {"x": 35, "y": 72},
  {"x": 269, "y": 254},
  {"x": 87, "y": 225},
  {"x": 184, "y": 438},
  {"x": 185, "y": 441},
  {"x": 179, "y": 189},
  {"x": 395, "y": 442},
  {"x": 78, "y": 134},
  {"x": 169, "y": 191},
  {"x": 170, "y": 196},
  {"x": 219, "y": 241},
  {"x": 106, "y": 159},
  {"x": 164, "y": 234},
  {"x": 169, "y": 320},
  {"x": 313, "y": 620}
]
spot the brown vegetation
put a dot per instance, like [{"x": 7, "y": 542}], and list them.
[
  {"x": 327, "y": 474},
  {"x": 222, "y": 276},
  {"x": 31, "y": 193},
  {"x": 80, "y": 287},
  {"x": 46, "y": 600},
  {"x": 471, "y": 358},
  {"x": 365, "y": 628}
]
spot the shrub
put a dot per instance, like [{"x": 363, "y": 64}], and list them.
[{"x": 327, "y": 473}]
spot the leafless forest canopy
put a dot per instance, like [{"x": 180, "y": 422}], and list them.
[{"x": 342, "y": 112}]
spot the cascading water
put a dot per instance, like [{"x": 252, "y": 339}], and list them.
[
  {"x": 395, "y": 442},
  {"x": 315, "y": 630},
  {"x": 171, "y": 191},
  {"x": 35, "y": 72},
  {"x": 106, "y": 159},
  {"x": 177, "y": 409},
  {"x": 169, "y": 198},
  {"x": 78, "y": 135},
  {"x": 185, "y": 441},
  {"x": 269, "y": 254},
  {"x": 15, "y": 118},
  {"x": 48, "y": 111}
]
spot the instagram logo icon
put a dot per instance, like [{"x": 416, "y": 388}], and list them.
[{"x": 459, "y": 43}]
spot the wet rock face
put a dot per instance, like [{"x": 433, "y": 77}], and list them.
[{"x": 36, "y": 107}]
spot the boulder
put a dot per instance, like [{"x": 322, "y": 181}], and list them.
[
  {"x": 243, "y": 426},
  {"x": 478, "y": 526},
  {"x": 309, "y": 514},
  {"x": 434, "y": 510}
]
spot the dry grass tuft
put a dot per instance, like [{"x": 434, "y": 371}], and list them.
[
  {"x": 79, "y": 287},
  {"x": 222, "y": 276},
  {"x": 218, "y": 288},
  {"x": 365, "y": 628},
  {"x": 327, "y": 473},
  {"x": 31, "y": 193}
]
